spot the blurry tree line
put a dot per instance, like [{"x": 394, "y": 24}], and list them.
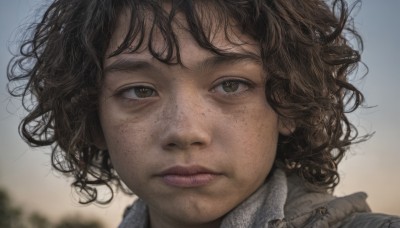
[{"x": 12, "y": 216}]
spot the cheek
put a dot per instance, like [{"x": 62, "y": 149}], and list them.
[
  {"x": 258, "y": 150},
  {"x": 252, "y": 127},
  {"x": 251, "y": 141},
  {"x": 127, "y": 146}
]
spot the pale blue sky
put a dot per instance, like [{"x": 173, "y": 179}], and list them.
[{"x": 372, "y": 167}]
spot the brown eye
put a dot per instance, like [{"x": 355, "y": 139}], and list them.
[
  {"x": 139, "y": 92},
  {"x": 232, "y": 87}
]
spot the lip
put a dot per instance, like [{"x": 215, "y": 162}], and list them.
[{"x": 188, "y": 176}]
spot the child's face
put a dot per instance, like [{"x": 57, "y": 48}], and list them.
[{"x": 193, "y": 141}]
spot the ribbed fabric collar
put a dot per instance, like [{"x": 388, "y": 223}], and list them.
[{"x": 263, "y": 206}]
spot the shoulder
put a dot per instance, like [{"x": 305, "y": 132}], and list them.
[
  {"x": 371, "y": 220},
  {"x": 306, "y": 208}
]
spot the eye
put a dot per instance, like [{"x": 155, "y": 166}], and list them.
[
  {"x": 138, "y": 92},
  {"x": 232, "y": 86}
]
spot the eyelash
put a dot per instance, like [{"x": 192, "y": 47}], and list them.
[
  {"x": 236, "y": 82},
  {"x": 240, "y": 82},
  {"x": 134, "y": 89}
]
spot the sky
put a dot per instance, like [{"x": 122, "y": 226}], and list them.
[{"x": 372, "y": 166}]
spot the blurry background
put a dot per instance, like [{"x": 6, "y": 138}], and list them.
[{"x": 31, "y": 185}]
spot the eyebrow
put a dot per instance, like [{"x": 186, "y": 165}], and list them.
[
  {"x": 230, "y": 58},
  {"x": 127, "y": 64},
  {"x": 132, "y": 65}
]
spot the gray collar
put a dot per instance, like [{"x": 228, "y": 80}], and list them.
[
  {"x": 266, "y": 204},
  {"x": 263, "y": 206}
]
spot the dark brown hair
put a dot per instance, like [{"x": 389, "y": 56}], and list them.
[{"x": 304, "y": 48}]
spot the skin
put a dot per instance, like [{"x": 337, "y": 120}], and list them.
[{"x": 211, "y": 112}]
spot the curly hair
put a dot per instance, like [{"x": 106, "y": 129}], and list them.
[{"x": 305, "y": 50}]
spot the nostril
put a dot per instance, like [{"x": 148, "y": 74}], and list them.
[
  {"x": 171, "y": 145},
  {"x": 182, "y": 145},
  {"x": 197, "y": 144}
]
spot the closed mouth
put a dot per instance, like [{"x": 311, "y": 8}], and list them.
[{"x": 188, "y": 176}]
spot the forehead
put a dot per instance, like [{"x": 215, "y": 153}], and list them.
[{"x": 165, "y": 37}]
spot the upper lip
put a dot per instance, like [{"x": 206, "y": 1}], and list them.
[{"x": 186, "y": 170}]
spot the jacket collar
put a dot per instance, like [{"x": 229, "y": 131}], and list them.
[{"x": 266, "y": 204}]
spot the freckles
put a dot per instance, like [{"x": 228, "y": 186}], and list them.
[
  {"x": 127, "y": 138},
  {"x": 240, "y": 117}
]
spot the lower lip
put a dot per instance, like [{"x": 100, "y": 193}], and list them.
[{"x": 189, "y": 181}]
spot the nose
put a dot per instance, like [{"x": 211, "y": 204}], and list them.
[{"x": 186, "y": 126}]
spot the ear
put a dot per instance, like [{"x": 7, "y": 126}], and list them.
[{"x": 286, "y": 126}]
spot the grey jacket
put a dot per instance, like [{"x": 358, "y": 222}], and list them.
[
  {"x": 285, "y": 203},
  {"x": 304, "y": 208}
]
